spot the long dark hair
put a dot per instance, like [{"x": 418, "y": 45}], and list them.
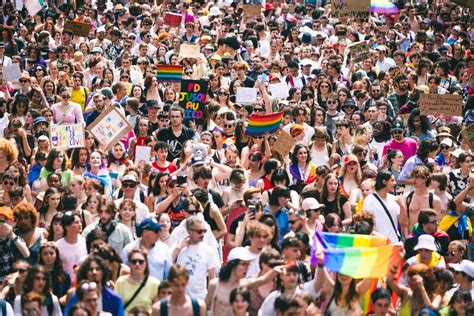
[
  {"x": 352, "y": 296},
  {"x": 226, "y": 270},
  {"x": 45, "y": 206},
  {"x": 53, "y": 154},
  {"x": 30, "y": 277},
  {"x": 156, "y": 187},
  {"x": 58, "y": 275},
  {"x": 84, "y": 268},
  {"x": 426, "y": 146},
  {"x": 75, "y": 157},
  {"x": 425, "y": 123}
]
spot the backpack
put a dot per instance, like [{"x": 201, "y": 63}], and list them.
[
  {"x": 142, "y": 195},
  {"x": 164, "y": 307}
]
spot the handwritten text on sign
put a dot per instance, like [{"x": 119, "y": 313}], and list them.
[
  {"x": 192, "y": 99},
  {"x": 435, "y": 104},
  {"x": 67, "y": 136},
  {"x": 351, "y": 9}
]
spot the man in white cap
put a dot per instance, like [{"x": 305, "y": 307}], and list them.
[
  {"x": 463, "y": 276},
  {"x": 131, "y": 191},
  {"x": 426, "y": 248},
  {"x": 383, "y": 63}
]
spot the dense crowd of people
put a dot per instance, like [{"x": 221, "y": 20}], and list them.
[{"x": 217, "y": 221}]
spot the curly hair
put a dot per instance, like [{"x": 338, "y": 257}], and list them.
[
  {"x": 10, "y": 151},
  {"x": 26, "y": 208}
]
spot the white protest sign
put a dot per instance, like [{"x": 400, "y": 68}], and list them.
[
  {"x": 279, "y": 90},
  {"x": 189, "y": 51},
  {"x": 142, "y": 153},
  {"x": 11, "y": 72},
  {"x": 246, "y": 95}
]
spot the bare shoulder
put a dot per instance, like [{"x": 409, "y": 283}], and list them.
[{"x": 156, "y": 308}]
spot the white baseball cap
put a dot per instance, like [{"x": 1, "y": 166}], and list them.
[
  {"x": 311, "y": 204},
  {"x": 240, "y": 253},
  {"x": 465, "y": 266}
]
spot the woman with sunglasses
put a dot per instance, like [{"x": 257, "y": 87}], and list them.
[
  {"x": 138, "y": 288},
  {"x": 60, "y": 279},
  {"x": 66, "y": 112},
  {"x": 324, "y": 89},
  {"x": 457, "y": 251},
  {"x": 223, "y": 98},
  {"x": 38, "y": 280}
]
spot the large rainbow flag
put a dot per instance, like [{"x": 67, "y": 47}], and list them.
[
  {"x": 169, "y": 73},
  {"x": 357, "y": 256},
  {"x": 260, "y": 124}
]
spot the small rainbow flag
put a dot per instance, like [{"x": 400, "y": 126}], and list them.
[
  {"x": 261, "y": 124},
  {"x": 169, "y": 73},
  {"x": 357, "y": 256}
]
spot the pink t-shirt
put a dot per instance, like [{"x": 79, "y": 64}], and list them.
[
  {"x": 408, "y": 147},
  {"x": 74, "y": 115}
]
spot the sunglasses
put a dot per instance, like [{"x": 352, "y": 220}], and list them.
[
  {"x": 444, "y": 147},
  {"x": 137, "y": 261},
  {"x": 259, "y": 110},
  {"x": 10, "y": 183},
  {"x": 451, "y": 254},
  {"x": 331, "y": 102},
  {"x": 124, "y": 77},
  {"x": 199, "y": 231},
  {"x": 20, "y": 270},
  {"x": 228, "y": 125},
  {"x": 66, "y": 96},
  {"x": 129, "y": 185},
  {"x": 192, "y": 211},
  {"x": 222, "y": 93}
]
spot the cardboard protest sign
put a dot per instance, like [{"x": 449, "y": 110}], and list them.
[
  {"x": 359, "y": 51},
  {"x": 192, "y": 98},
  {"x": 109, "y": 127},
  {"x": 173, "y": 19},
  {"x": 435, "y": 104},
  {"x": 11, "y": 72},
  {"x": 189, "y": 51},
  {"x": 66, "y": 136},
  {"x": 351, "y": 9},
  {"x": 279, "y": 90},
  {"x": 78, "y": 28},
  {"x": 283, "y": 144},
  {"x": 252, "y": 10},
  {"x": 246, "y": 95}
]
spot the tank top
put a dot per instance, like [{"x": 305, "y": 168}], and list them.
[
  {"x": 267, "y": 185},
  {"x": 208, "y": 218}
]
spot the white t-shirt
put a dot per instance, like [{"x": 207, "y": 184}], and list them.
[
  {"x": 71, "y": 254},
  {"x": 198, "y": 260},
  {"x": 382, "y": 222},
  {"x": 141, "y": 212},
  {"x": 8, "y": 309}
]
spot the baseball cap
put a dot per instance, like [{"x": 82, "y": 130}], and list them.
[
  {"x": 311, "y": 204},
  {"x": 447, "y": 141},
  {"x": 39, "y": 120},
  {"x": 397, "y": 126},
  {"x": 129, "y": 177},
  {"x": 465, "y": 266},
  {"x": 240, "y": 253},
  {"x": 150, "y": 224},
  {"x": 350, "y": 158},
  {"x": 97, "y": 49},
  {"x": 198, "y": 160},
  {"x": 7, "y": 212}
]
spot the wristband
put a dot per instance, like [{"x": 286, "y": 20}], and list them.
[{"x": 320, "y": 265}]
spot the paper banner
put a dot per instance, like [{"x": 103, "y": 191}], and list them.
[
  {"x": 189, "y": 51},
  {"x": 351, "y": 9},
  {"x": 246, "y": 95},
  {"x": 11, "y": 72}
]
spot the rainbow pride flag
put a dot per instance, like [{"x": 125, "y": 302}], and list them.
[
  {"x": 169, "y": 73},
  {"x": 261, "y": 124},
  {"x": 357, "y": 256}
]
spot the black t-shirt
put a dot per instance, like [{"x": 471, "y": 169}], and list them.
[
  {"x": 332, "y": 207},
  {"x": 175, "y": 143}
]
